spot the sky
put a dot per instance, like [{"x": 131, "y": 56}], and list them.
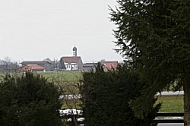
[{"x": 39, "y": 29}]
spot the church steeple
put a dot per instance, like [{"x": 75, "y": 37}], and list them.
[{"x": 74, "y": 51}]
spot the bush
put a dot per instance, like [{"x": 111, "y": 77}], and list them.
[
  {"x": 106, "y": 97},
  {"x": 29, "y": 100}
]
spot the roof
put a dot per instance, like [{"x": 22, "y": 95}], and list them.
[
  {"x": 71, "y": 59},
  {"x": 37, "y": 67},
  {"x": 34, "y": 67},
  {"x": 74, "y": 48},
  {"x": 110, "y": 64},
  {"x": 89, "y": 64},
  {"x": 34, "y": 62}
]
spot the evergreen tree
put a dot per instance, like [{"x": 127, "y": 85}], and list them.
[
  {"x": 29, "y": 100},
  {"x": 106, "y": 97},
  {"x": 154, "y": 36}
]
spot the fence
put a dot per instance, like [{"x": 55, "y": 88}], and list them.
[{"x": 169, "y": 118}]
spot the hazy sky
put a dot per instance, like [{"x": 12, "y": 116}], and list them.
[{"x": 39, "y": 29}]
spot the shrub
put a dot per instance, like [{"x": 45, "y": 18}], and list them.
[
  {"x": 106, "y": 97},
  {"x": 29, "y": 100}
]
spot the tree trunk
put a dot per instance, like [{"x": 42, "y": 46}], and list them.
[{"x": 186, "y": 87}]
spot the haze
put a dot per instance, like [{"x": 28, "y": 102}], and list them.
[{"x": 39, "y": 29}]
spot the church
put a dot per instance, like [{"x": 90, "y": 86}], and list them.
[{"x": 71, "y": 62}]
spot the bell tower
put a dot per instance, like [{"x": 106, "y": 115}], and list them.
[{"x": 74, "y": 51}]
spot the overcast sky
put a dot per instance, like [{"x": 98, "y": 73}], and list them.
[{"x": 39, "y": 29}]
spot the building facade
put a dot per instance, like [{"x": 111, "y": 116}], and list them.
[{"x": 71, "y": 62}]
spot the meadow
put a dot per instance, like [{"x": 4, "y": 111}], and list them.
[
  {"x": 172, "y": 103},
  {"x": 69, "y": 81},
  {"x": 169, "y": 103},
  {"x": 63, "y": 76}
]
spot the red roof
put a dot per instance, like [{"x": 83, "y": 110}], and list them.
[
  {"x": 34, "y": 67},
  {"x": 110, "y": 64}
]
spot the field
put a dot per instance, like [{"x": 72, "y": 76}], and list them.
[
  {"x": 171, "y": 103},
  {"x": 69, "y": 80},
  {"x": 63, "y": 76},
  {"x": 57, "y": 76}
]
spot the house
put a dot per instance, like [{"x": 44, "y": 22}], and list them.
[
  {"x": 109, "y": 65},
  {"x": 89, "y": 67},
  {"x": 37, "y": 65},
  {"x": 71, "y": 62},
  {"x": 33, "y": 68}
]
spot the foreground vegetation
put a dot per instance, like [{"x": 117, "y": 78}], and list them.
[
  {"x": 153, "y": 36},
  {"x": 29, "y": 100},
  {"x": 108, "y": 90},
  {"x": 107, "y": 96},
  {"x": 172, "y": 103},
  {"x": 69, "y": 81},
  {"x": 169, "y": 103}
]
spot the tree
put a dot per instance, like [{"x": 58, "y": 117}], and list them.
[
  {"x": 106, "y": 97},
  {"x": 6, "y": 66},
  {"x": 29, "y": 100},
  {"x": 154, "y": 36}
]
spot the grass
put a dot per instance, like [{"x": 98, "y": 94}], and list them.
[
  {"x": 56, "y": 76},
  {"x": 66, "y": 79},
  {"x": 172, "y": 103},
  {"x": 69, "y": 79},
  {"x": 62, "y": 76}
]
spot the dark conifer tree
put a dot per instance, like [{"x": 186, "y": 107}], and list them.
[
  {"x": 29, "y": 100},
  {"x": 154, "y": 36}
]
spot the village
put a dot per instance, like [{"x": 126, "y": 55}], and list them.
[{"x": 73, "y": 62}]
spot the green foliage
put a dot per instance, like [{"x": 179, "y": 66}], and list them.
[
  {"x": 29, "y": 100},
  {"x": 154, "y": 37},
  {"x": 106, "y": 97}
]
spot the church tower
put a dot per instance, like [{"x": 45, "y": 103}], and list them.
[{"x": 74, "y": 51}]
